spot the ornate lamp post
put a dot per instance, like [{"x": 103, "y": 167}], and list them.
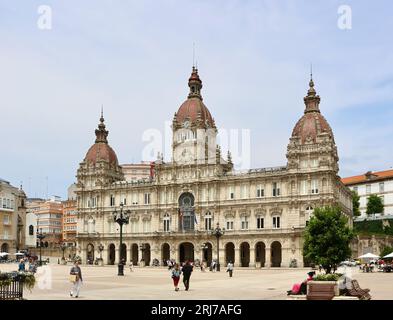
[
  {"x": 121, "y": 218},
  {"x": 143, "y": 248},
  {"x": 63, "y": 246},
  {"x": 40, "y": 236},
  {"x": 218, "y": 233},
  {"x": 100, "y": 249}
]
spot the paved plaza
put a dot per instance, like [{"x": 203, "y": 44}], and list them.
[{"x": 155, "y": 283}]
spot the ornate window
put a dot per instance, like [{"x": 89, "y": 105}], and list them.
[
  {"x": 260, "y": 222},
  {"x": 244, "y": 223},
  {"x": 314, "y": 186},
  {"x": 276, "y": 189},
  {"x": 260, "y": 191},
  {"x": 208, "y": 221},
  {"x": 229, "y": 224},
  {"x": 166, "y": 222},
  {"x": 276, "y": 222},
  {"x": 309, "y": 212}
]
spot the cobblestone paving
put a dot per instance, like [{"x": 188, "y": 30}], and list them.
[{"x": 155, "y": 283}]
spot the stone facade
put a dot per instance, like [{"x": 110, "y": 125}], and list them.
[
  {"x": 12, "y": 218},
  {"x": 264, "y": 211}
]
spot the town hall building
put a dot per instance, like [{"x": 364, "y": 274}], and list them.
[{"x": 172, "y": 214}]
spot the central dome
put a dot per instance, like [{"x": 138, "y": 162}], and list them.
[
  {"x": 312, "y": 123},
  {"x": 193, "y": 109}
]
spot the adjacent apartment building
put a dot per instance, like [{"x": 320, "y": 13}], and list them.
[
  {"x": 379, "y": 183},
  {"x": 49, "y": 215},
  {"x": 138, "y": 171},
  {"x": 12, "y": 217}
]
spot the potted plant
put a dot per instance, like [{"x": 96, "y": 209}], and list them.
[{"x": 323, "y": 286}]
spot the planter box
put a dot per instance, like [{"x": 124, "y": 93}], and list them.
[{"x": 322, "y": 290}]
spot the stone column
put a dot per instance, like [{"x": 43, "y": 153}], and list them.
[
  {"x": 141, "y": 256},
  {"x": 252, "y": 257},
  {"x": 237, "y": 257},
  {"x": 105, "y": 255},
  {"x": 155, "y": 254},
  {"x": 174, "y": 253},
  {"x": 268, "y": 257}
]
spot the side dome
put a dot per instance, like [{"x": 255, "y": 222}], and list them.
[
  {"x": 193, "y": 109},
  {"x": 101, "y": 150},
  {"x": 312, "y": 123}
]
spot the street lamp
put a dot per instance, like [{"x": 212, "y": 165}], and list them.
[
  {"x": 143, "y": 248},
  {"x": 40, "y": 236},
  {"x": 63, "y": 246},
  {"x": 121, "y": 218},
  {"x": 100, "y": 249},
  {"x": 218, "y": 233}
]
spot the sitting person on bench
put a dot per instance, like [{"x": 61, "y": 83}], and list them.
[{"x": 301, "y": 288}]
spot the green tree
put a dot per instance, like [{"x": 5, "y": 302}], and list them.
[
  {"x": 385, "y": 251},
  {"x": 374, "y": 204},
  {"x": 327, "y": 238},
  {"x": 356, "y": 203}
]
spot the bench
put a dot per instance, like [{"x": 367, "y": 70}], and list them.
[{"x": 356, "y": 291}]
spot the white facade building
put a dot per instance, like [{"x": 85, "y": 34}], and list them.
[{"x": 379, "y": 183}]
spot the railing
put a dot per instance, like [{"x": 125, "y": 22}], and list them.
[{"x": 12, "y": 291}]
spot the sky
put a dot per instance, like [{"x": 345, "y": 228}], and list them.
[{"x": 135, "y": 57}]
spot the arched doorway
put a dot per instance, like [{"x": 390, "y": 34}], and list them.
[
  {"x": 229, "y": 252},
  {"x": 186, "y": 251},
  {"x": 244, "y": 254},
  {"x": 123, "y": 253},
  {"x": 111, "y": 254},
  {"x": 90, "y": 253},
  {"x": 4, "y": 247},
  {"x": 165, "y": 253},
  {"x": 186, "y": 212},
  {"x": 134, "y": 254},
  {"x": 208, "y": 253},
  {"x": 260, "y": 253},
  {"x": 276, "y": 254}
]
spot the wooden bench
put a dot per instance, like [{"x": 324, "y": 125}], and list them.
[
  {"x": 320, "y": 292},
  {"x": 356, "y": 291}
]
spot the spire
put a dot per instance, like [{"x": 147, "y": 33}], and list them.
[
  {"x": 195, "y": 84},
  {"x": 312, "y": 99},
  {"x": 101, "y": 132},
  {"x": 229, "y": 157}
]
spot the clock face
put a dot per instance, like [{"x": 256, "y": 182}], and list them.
[{"x": 186, "y": 124}]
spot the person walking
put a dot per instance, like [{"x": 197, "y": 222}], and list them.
[
  {"x": 176, "y": 272},
  {"x": 187, "y": 270},
  {"x": 131, "y": 265},
  {"x": 76, "y": 279},
  {"x": 230, "y": 268},
  {"x": 21, "y": 266}
]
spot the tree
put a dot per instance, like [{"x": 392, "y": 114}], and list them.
[
  {"x": 374, "y": 204},
  {"x": 327, "y": 238},
  {"x": 385, "y": 251},
  {"x": 355, "y": 203}
]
